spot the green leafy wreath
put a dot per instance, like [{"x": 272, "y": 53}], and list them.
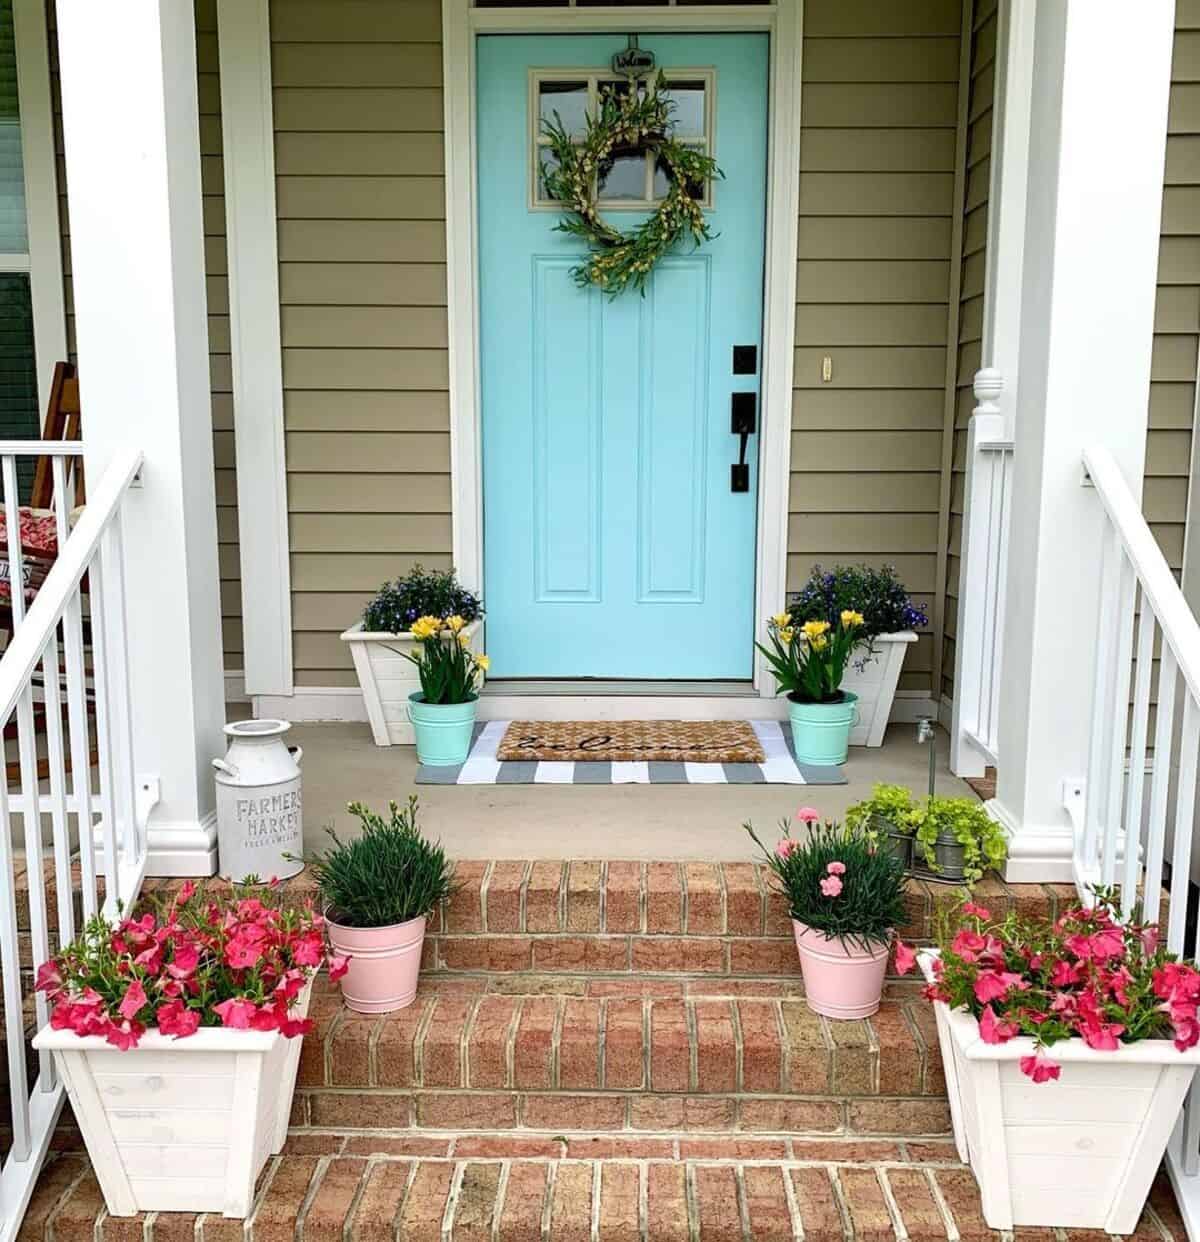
[{"x": 617, "y": 259}]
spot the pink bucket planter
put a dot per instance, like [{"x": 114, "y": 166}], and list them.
[
  {"x": 384, "y": 964},
  {"x": 840, "y": 980}
]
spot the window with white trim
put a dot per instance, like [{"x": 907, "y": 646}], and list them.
[{"x": 632, "y": 180}]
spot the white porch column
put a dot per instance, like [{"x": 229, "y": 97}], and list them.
[
  {"x": 137, "y": 258},
  {"x": 1095, "y": 180}
]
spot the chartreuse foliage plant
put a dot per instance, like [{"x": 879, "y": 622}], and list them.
[
  {"x": 890, "y": 803},
  {"x": 205, "y": 957},
  {"x": 1089, "y": 974},
  {"x": 809, "y": 660},
  {"x": 964, "y": 820},
  {"x": 837, "y": 882},
  {"x": 388, "y": 874}
]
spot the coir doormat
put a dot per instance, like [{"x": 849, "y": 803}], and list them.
[{"x": 630, "y": 741}]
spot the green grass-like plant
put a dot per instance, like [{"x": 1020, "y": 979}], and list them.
[
  {"x": 866, "y": 905},
  {"x": 389, "y": 874}
]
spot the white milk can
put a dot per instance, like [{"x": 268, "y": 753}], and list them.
[{"x": 259, "y": 803}]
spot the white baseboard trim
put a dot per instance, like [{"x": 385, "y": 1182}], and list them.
[
  {"x": 312, "y": 704},
  {"x": 235, "y": 686},
  {"x": 179, "y": 848},
  {"x": 333, "y": 704}
]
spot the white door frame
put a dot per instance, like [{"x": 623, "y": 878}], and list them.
[{"x": 784, "y": 22}]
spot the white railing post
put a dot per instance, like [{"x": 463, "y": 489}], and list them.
[
  {"x": 981, "y": 584},
  {"x": 34, "y": 672}
]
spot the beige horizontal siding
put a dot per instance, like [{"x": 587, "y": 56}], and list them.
[
  {"x": 970, "y": 319},
  {"x": 362, "y": 247},
  {"x": 1177, "y": 309},
  {"x": 877, "y": 150}
]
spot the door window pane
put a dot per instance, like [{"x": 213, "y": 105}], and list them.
[
  {"x": 19, "y": 414},
  {"x": 625, "y": 178},
  {"x": 688, "y": 116},
  {"x": 569, "y": 100}
]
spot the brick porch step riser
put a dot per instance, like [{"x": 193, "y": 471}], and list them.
[{"x": 569, "y": 1062}]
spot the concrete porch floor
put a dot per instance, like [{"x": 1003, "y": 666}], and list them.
[{"x": 342, "y": 764}]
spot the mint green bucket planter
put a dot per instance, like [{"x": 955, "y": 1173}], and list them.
[
  {"x": 443, "y": 730},
  {"x": 821, "y": 731}
]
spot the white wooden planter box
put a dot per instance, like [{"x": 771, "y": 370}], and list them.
[
  {"x": 875, "y": 686},
  {"x": 1079, "y": 1152},
  {"x": 387, "y": 679},
  {"x": 180, "y": 1125}
]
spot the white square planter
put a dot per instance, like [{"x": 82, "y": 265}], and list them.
[
  {"x": 180, "y": 1125},
  {"x": 875, "y": 685},
  {"x": 1077, "y": 1153},
  {"x": 387, "y": 679}
]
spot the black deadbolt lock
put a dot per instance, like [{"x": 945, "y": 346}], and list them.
[{"x": 745, "y": 359}]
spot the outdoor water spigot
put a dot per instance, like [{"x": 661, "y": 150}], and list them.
[{"x": 925, "y": 733}]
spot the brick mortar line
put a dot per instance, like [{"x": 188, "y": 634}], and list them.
[
  {"x": 875, "y": 1056},
  {"x": 417, "y": 1052},
  {"x": 501, "y": 1196},
  {"x": 893, "y": 1206},
  {"x": 314, "y": 1186},
  {"x": 451, "y": 1207},
  {"x": 595, "y": 1229},
  {"x": 952, "y": 1234},
  {"x": 922, "y": 1046},
  {"x": 264, "y": 1190},
  {"x": 789, "y": 1192},
  {"x": 560, "y": 1016},
  {"x": 464, "y": 1042},
  {"x": 842, "y": 1203},
  {"x": 739, "y": 1181},
  {"x": 603, "y": 907},
  {"x": 484, "y": 882},
  {"x": 739, "y": 1048},
  {"x": 685, "y": 1093},
  {"x": 356, "y": 1198},
  {"x": 372, "y": 1050},
  {"x": 510, "y": 1042},
  {"x": 723, "y": 889},
  {"x": 644, "y": 1202},
  {"x": 397, "y": 1216},
  {"x": 692, "y": 1026},
  {"x": 643, "y": 906},
  {"x": 548, "y": 1198},
  {"x": 691, "y": 1196},
  {"x": 602, "y": 1044}
]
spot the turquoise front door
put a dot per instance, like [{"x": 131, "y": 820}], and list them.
[{"x": 617, "y": 543}]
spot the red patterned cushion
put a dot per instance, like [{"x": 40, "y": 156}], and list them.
[{"x": 39, "y": 547}]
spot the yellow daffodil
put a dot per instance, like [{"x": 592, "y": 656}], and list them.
[
  {"x": 456, "y": 623},
  {"x": 464, "y": 641},
  {"x": 786, "y": 635},
  {"x": 782, "y": 620},
  {"x": 483, "y": 661},
  {"x": 814, "y": 629},
  {"x": 425, "y": 627},
  {"x": 851, "y": 618},
  {"x": 819, "y": 643}
]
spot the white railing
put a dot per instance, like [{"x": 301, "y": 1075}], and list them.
[
  {"x": 982, "y": 576},
  {"x": 64, "y": 705},
  {"x": 1135, "y": 833}
]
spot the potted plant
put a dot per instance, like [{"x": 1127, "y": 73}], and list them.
[
  {"x": 890, "y": 622},
  {"x": 380, "y": 641},
  {"x": 442, "y": 711},
  {"x": 846, "y": 898},
  {"x": 956, "y": 840},
  {"x": 886, "y": 816},
  {"x": 176, "y": 1037},
  {"x": 809, "y": 662},
  {"x": 1069, "y": 1047},
  {"x": 377, "y": 891}
]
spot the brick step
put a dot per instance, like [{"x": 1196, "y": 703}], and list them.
[
  {"x": 345, "y": 1193},
  {"x": 504, "y": 1060}
]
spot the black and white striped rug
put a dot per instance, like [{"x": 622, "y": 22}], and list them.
[{"x": 779, "y": 767}]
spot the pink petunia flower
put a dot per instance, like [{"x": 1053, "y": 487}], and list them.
[
  {"x": 990, "y": 985},
  {"x": 176, "y": 1020},
  {"x": 831, "y": 886},
  {"x": 1040, "y": 1068},
  {"x": 133, "y": 1001},
  {"x": 906, "y": 959},
  {"x": 968, "y": 945},
  {"x": 977, "y": 912},
  {"x": 993, "y": 1030},
  {"x": 338, "y": 965},
  {"x": 1101, "y": 1035},
  {"x": 836, "y": 868},
  {"x": 236, "y": 1012}
]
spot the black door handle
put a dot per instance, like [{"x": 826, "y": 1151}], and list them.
[{"x": 743, "y": 423}]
